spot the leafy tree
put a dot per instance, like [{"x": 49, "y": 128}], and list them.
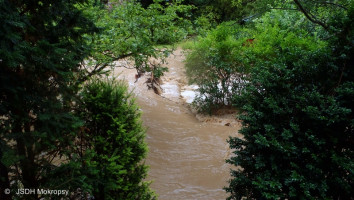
[
  {"x": 216, "y": 64},
  {"x": 131, "y": 31},
  {"x": 223, "y": 10},
  {"x": 220, "y": 62},
  {"x": 297, "y": 114},
  {"x": 114, "y": 142},
  {"x": 317, "y": 12}
]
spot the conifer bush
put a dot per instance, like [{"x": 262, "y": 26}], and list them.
[
  {"x": 41, "y": 48},
  {"x": 115, "y": 146}
]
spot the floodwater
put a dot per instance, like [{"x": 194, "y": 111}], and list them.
[{"x": 186, "y": 153}]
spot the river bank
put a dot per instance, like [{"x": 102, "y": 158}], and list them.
[{"x": 187, "y": 151}]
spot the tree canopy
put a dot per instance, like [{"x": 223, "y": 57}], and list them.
[{"x": 296, "y": 116}]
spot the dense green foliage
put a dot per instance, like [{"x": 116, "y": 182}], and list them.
[
  {"x": 216, "y": 11},
  {"x": 220, "y": 62},
  {"x": 41, "y": 49},
  {"x": 216, "y": 64},
  {"x": 297, "y": 113},
  {"x": 296, "y": 96},
  {"x": 48, "y": 50},
  {"x": 131, "y": 31},
  {"x": 114, "y": 142}
]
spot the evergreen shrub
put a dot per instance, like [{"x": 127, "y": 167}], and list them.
[{"x": 115, "y": 146}]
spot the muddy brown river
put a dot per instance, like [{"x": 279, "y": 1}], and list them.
[{"x": 186, "y": 152}]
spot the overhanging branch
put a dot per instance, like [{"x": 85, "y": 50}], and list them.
[
  {"x": 331, "y": 3},
  {"x": 100, "y": 66},
  {"x": 309, "y": 16}
]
